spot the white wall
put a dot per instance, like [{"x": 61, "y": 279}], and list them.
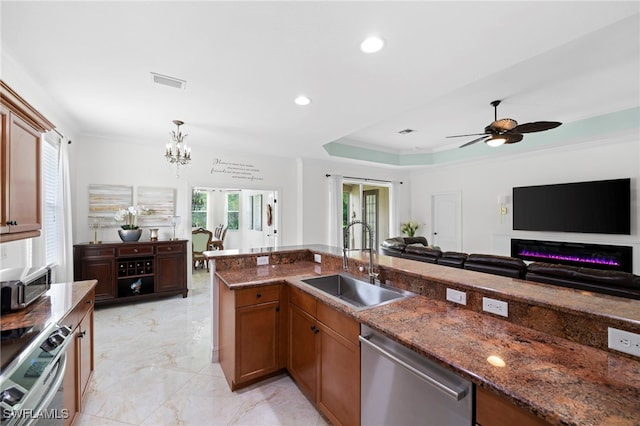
[
  {"x": 133, "y": 164},
  {"x": 482, "y": 182},
  {"x": 314, "y": 204}
]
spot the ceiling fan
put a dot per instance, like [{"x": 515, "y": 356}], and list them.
[{"x": 507, "y": 130}]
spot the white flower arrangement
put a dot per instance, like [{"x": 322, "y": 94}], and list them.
[
  {"x": 129, "y": 216},
  {"x": 409, "y": 228}
]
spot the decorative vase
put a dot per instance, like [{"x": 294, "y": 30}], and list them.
[
  {"x": 130, "y": 234},
  {"x": 153, "y": 234}
]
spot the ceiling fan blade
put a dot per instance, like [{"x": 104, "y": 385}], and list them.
[
  {"x": 513, "y": 138},
  {"x": 472, "y": 134},
  {"x": 536, "y": 126},
  {"x": 475, "y": 141}
]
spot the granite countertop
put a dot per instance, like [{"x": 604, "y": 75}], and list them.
[
  {"x": 556, "y": 379},
  {"x": 51, "y": 307}
]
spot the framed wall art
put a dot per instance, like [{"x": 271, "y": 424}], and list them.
[{"x": 106, "y": 200}]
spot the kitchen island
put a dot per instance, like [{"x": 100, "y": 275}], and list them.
[{"x": 560, "y": 374}]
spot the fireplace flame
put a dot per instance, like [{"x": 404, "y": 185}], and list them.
[{"x": 578, "y": 259}]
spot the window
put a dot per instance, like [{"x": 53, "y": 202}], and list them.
[
  {"x": 51, "y": 182},
  {"x": 233, "y": 211},
  {"x": 199, "y": 210},
  {"x": 345, "y": 208}
]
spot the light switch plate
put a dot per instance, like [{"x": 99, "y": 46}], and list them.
[
  {"x": 263, "y": 260},
  {"x": 494, "y": 306},
  {"x": 456, "y": 296},
  {"x": 317, "y": 258},
  {"x": 624, "y": 341}
]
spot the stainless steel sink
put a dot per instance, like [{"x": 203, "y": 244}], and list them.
[{"x": 355, "y": 292}]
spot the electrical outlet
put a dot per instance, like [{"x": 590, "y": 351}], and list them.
[
  {"x": 263, "y": 260},
  {"x": 494, "y": 306},
  {"x": 456, "y": 296},
  {"x": 624, "y": 341},
  {"x": 317, "y": 258}
]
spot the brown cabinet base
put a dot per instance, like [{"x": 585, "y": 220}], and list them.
[
  {"x": 129, "y": 272},
  {"x": 491, "y": 410},
  {"x": 250, "y": 343},
  {"x": 79, "y": 357}
]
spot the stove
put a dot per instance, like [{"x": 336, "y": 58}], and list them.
[
  {"x": 33, "y": 366},
  {"x": 15, "y": 341}
]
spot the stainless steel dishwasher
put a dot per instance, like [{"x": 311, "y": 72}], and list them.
[{"x": 402, "y": 388}]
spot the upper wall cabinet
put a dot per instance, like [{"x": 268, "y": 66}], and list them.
[{"x": 22, "y": 127}]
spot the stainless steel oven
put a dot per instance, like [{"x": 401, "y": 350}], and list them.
[{"x": 31, "y": 383}]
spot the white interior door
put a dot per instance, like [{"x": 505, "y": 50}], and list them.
[{"x": 446, "y": 220}]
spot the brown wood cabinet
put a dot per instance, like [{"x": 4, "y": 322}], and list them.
[
  {"x": 22, "y": 127},
  {"x": 492, "y": 410},
  {"x": 135, "y": 270},
  {"x": 324, "y": 356},
  {"x": 250, "y": 343},
  {"x": 79, "y": 357},
  {"x": 303, "y": 352}
]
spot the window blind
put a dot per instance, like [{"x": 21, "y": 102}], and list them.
[{"x": 51, "y": 182}]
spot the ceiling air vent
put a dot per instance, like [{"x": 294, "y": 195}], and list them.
[
  {"x": 406, "y": 131},
  {"x": 168, "y": 81}
]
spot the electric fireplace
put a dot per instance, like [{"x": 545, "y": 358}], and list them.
[{"x": 595, "y": 256}]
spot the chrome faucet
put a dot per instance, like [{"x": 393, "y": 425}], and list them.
[{"x": 345, "y": 260}]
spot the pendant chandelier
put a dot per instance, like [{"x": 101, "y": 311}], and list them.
[{"x": 177, "y": 151}]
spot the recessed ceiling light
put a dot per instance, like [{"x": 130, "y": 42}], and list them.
[
  {"x": 302, "y": 100},
  {"x": 372, "y": 44}
]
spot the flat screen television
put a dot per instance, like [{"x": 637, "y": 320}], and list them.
[{"x": 601, "y": 207}]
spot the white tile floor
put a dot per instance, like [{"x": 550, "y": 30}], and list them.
[{"x": 152, "y": 367}]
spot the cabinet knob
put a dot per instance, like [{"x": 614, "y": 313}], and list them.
[
  {"x": 259, "y": 295},
  {"x": 315, "y": 329},
  {"x": 81, "y": 334},
  {"x": 12, "y": 223},
  {"x": 169, "y": 248},
  {"x": 135, "y": 250}
]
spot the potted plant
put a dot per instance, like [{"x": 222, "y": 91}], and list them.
[
  {"x": 409, "y": 228},
  {"x": 129, "y": 230}
]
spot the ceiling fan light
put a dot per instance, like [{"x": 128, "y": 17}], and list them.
[{"x": 496, "y": 141}]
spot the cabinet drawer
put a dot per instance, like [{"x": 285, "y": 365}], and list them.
[
  {"x": 304, "y": 301},
  {"x": 73, "y": 318},
  {"x": 255, "y": 295},
  {"x": 341, "y": 323},
  {"x": 135, "y": 250},
  {"x": 170, "y": 248},
  {"x": 97, "y": 252},
  {"x": 85, "y": 305}
]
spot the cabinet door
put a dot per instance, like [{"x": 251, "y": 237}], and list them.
[
  {"x": 4, "y": 152},
  {"x": 104, "y": 271},
  {"x": 302, "y": 360},
  {"x": 170, "y": 273},
  {"x": 339, "y": 377},
  {"x": 85, "y": 353},
  {"x": 70, "y": 384},
  {"x": 257, "y": 339},
  {"x": 21, "y": 176}
]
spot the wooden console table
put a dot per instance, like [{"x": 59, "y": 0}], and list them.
[{"x": 127, "y": 272}]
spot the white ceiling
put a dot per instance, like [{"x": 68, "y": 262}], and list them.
[{"x": 245, "y": 62}]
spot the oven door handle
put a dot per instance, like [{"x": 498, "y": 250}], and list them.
[{"x": 53, "y": 385}]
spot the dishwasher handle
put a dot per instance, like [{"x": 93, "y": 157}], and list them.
[{"x": 452, "y": 393}]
